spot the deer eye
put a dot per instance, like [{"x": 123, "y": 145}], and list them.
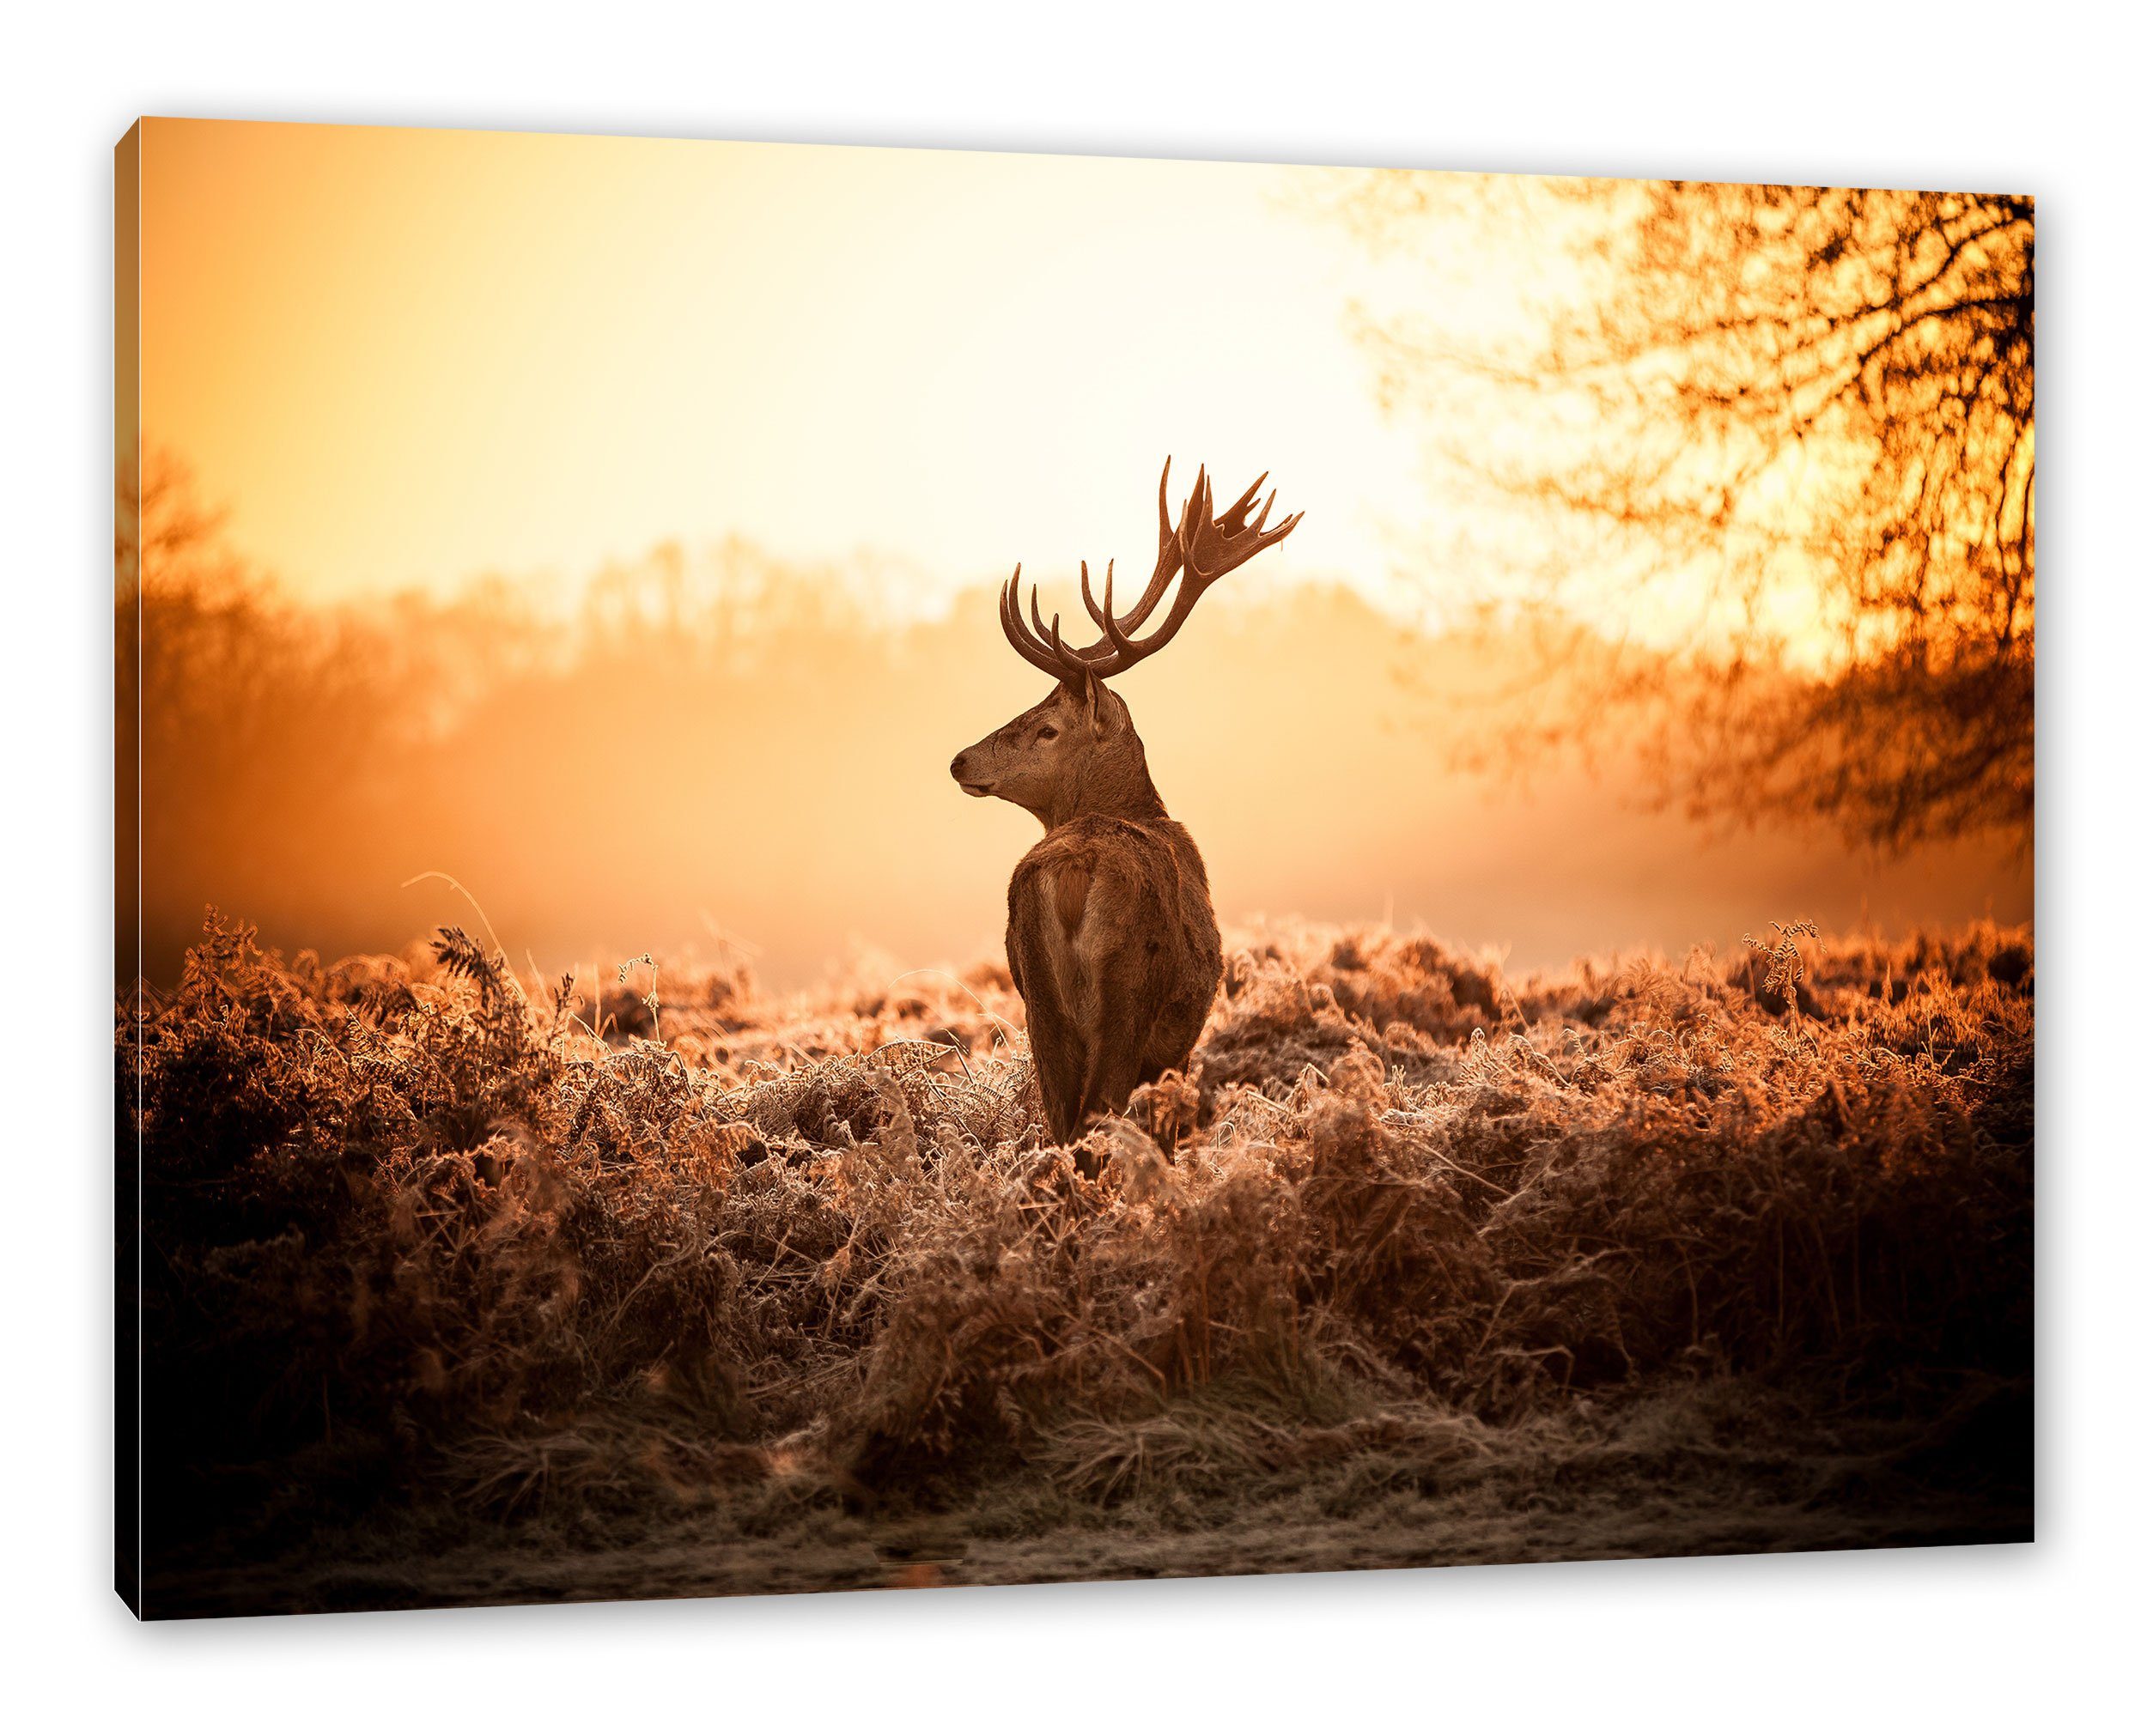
[{"x": 1048, "y": 734}]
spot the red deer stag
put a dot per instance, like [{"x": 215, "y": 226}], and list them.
[{"x": 1110, "y": 937}]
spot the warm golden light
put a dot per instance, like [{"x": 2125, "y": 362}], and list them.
[
  {"x": 405, "y": 360},
  {"x": 409, "y": 357}
]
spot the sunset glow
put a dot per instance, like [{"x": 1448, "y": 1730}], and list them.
[
  {"x": 619, "y": 378},
  {"x": 407, "y": 358}
]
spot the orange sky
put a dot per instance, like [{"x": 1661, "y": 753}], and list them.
[
  {"x": 409, "y": 356},
  {"x": 403, "y": 359}
]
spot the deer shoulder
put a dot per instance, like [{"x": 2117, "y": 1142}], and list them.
[{"x": 1092, "y": 875}]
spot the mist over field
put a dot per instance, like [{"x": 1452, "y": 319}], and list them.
[{"x": 731, "y": 758}]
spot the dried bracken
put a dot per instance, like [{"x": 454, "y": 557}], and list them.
[{"x": 413, "y": 1225}]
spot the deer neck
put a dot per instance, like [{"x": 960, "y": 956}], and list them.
[{"x": 1116, "y": 785}]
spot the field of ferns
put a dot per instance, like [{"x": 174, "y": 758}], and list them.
[{"x": 456, "y": 1286}]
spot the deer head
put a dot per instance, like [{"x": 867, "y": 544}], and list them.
[{"x": 1076, "y": 752}]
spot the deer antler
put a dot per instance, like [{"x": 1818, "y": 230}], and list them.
[{"x": 1200, "y": 546}]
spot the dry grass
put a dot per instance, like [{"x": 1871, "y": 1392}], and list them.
[{"x": 425, "y": 1254}]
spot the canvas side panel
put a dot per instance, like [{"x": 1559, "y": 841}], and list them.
[{"x": 126, "y": 878}]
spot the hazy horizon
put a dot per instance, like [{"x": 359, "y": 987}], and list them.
[{"x": 731, "y": 750}]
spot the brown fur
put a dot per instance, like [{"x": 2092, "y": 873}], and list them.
[
  {"x": 1071, "y": 885},
  {"x": 1111, "y": 935}
]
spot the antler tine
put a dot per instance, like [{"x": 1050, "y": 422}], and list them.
[
  {"x": 1164, "y": 534},
  {"x": 1088, "y": 598},
  {"x": 1068, "y": 663},
  {"x": 1169, "y": 556},
  {"x": 1034, "y": 650},
  {"x": 1009, "y": 614},
  {"x": 1111, "y": 629},
  {"x": 1196, "y": 551},
  {"x": 1223, "y": 546},
  {"x": 1233, "y": 520},
  {"x": 1206, "y": 549},
  {"x": 1105, "y": 617},
  {"x": 1035, "y": 616}
]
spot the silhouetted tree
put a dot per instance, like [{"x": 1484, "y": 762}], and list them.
[{"x": 1803, "y": 420}]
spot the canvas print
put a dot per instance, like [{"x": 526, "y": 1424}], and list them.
[{"x": 844, "y": 868}]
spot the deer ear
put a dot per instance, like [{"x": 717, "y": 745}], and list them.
[{"x": 1092, "y": 697}]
